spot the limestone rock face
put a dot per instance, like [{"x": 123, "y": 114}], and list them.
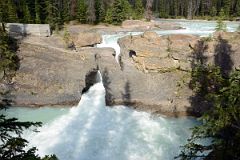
[
  {"x": 54, "y": 77},
  {"x": 152, "y": 53},
  {"x": 180, "y": 46},
  {"x": 156, "y": 70},
  {"x": 85, "y": 39}
]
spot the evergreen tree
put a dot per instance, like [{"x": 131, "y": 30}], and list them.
[
  {"x": 121, "y": 11},
  {"x": 238, "y": 8},
  {"x": 56, "y": 12},
  {"x": 14, "y": 147},
  {"x": 220, "y": 125},
  {"x": 12, "y": 13},
  {"x": 49, "y": 13},
  {"x": 3, "y": 12},
  {"x": 227, "y": 6},
  {"x": 108, "y": 16},
  {"x": 221, "y": 26},
  {"x": 66, "y": 11},
  {"x": 37, "y": 12},
  {"x": 82, "y": 9},
  {"x": 162, "y": 13},
  {"x": 26, "y": 14},
  {"x": 127, "y": 8},
  {"x": 53, "y": 15},
  {"x": 221, "y": 14},
  {"x": 100, "y": 13},
  {"x": 8, "y": 59},
  {"x": 213, "y": 11},
  {"x": 118, "y": 15},
  {"x": 139, "y": 9}
]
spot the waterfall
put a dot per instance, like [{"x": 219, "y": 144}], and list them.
[{"x": 92, "y": 131}]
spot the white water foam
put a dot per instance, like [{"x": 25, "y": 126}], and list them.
[{"x": 92, "y": 131}]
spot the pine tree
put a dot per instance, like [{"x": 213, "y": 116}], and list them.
[
  {"x": 238, "y": 8},
  {"x": 8, "y": 59},
  {"x": 219, "y": 125},
  {"x": 3, "y": 12},
  {"x": 162, "y": 13},
  {"x": 121, "y": 11},
  {"x": 82, "y": 9},
  {"x": 175, "y": 8},
  {"x": 222, "y": 14},
  {"x": 139, "y": 9},
  {"x": 37, "y": 12},
  {"x": 213, "y": 11},
  {"x": 127, "y": 9},
  {"x": 66, "y": 11},
  {"x": 221, "y": 26},
  {"x": 12, "y": 145},
  {"x": 227, "y": 6},
  {"x": 100, "y": 13},
  {"x": 26, "y": 14},
  {"x": 53, "y": 14},
  {"x": 108, "y": 16},
  {"x": 12, "y": 13},
  {"x": 49, "y": 12}
]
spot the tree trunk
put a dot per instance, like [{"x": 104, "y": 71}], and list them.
[
  {"x": 3, "y": 27},
  {"x": 190, "y": 9},
  {"x": 193, "y": 6},
  {"x": 149, "y": 5}
]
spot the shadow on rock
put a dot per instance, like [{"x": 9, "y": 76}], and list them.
[
  {"x": 222, "y": 58},
  {"x": 109, "y": 98},
  {"x": 90, "y": 80},
  {"x": 203, "y": 75},
  {"x": 126, "y": 95}
]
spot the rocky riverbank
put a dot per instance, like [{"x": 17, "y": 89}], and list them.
[{"x": 153, "y": 74}]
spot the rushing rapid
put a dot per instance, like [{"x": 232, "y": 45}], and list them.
[{"x": 92, "y": 131}]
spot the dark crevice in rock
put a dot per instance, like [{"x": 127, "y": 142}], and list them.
[
  {"x": 121, "y": 63},
  {"x": 90, "y": 79},
  {"x": 132, "y": 53}
]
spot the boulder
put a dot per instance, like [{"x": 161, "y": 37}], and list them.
[
  {"x": 137, "y": 24},
  {"x": 153, "y": 53},
  {"x": 86, "y": 39},
  {"x": 150, "y": 35}
]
